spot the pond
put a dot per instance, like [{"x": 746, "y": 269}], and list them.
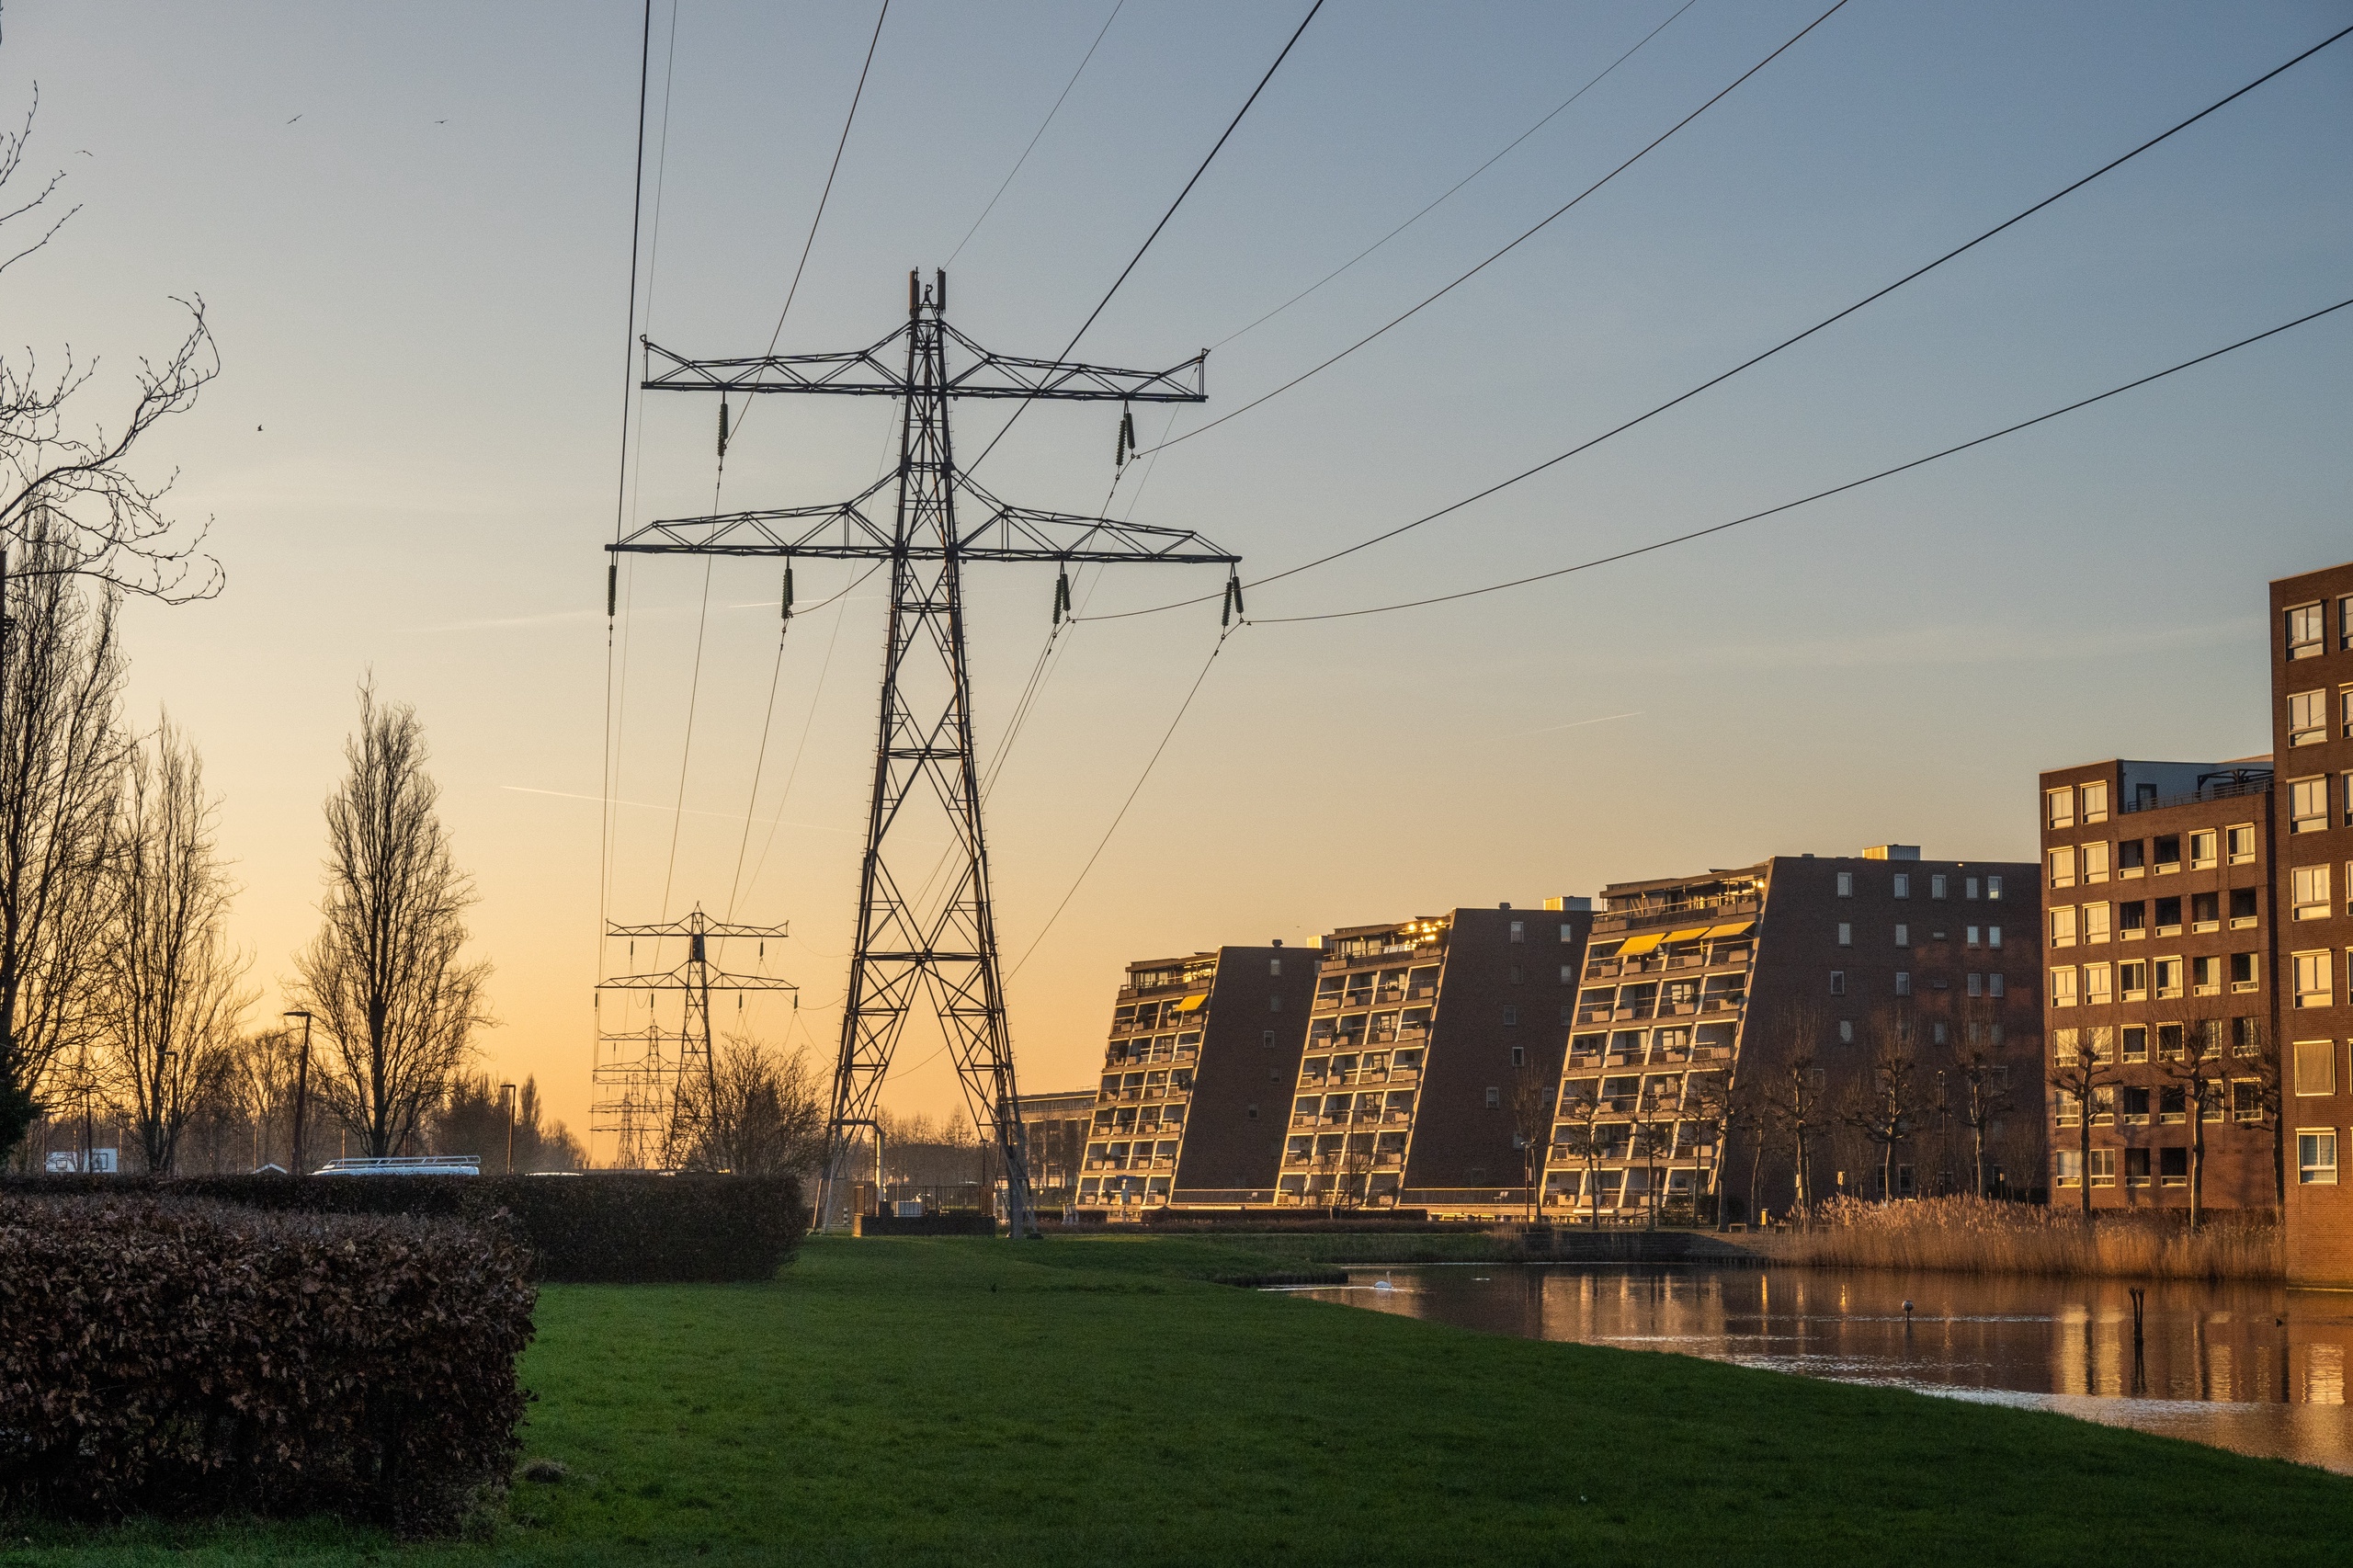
[{"x": 2259, "y": 1370}]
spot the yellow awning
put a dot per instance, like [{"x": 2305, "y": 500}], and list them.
[
  {"x": 1688, "y": 933},
  {"x": 1191, "y": 1004},
  {"x": 1639, "y": 945},
  {"x": 1731, "y": 928}
]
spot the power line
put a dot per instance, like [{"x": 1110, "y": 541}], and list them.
[
  {"x": 1021, "y": 407},
  {"x": 1817, "y": 496},
  {"x": 1515, "y": 244},
  {"x": 819, "y": 216},
  {"x": 1757, "y": 360},
  {"x": 1041, "y": 131},
  {"x": 1458, "y": 185}
]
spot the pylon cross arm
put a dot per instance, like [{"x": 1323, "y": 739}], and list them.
[{"x": 870, "y": 372}]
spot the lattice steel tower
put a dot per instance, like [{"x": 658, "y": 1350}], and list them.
[
  {"x": 917, "y": 939},
  {"x": 655, "y": 1084}
]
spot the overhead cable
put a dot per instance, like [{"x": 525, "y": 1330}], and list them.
[
  {"x": 1817, "y": 496},
  {"x": 1515, "y": 244},
  {"x": 1757, "y": 360},
  {"x": 1022, "y": 407},
  {"x": 1040, "y": 132}
]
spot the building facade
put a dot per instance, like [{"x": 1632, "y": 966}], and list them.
[
  {"x": 1196, "y": 1074},
  {"x": 2159, "y": 938},
  {"x": 1054, "y": 1130},
  {"x": 1431, "y": 1056},
  {"x": 2312, "y": 718},
  {"x": 1728, "y": 1027}
]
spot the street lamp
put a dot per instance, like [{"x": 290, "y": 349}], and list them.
[
  {"x": 301, "y": 1085},
  {"x": 506, "y": 1104}
]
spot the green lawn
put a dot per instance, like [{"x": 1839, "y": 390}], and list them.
[{"x": 1093, "y": 1401}]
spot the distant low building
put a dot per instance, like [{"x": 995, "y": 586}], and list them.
[{"x": 1054, "y": 1129}]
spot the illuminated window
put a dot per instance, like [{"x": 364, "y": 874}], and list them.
[
  {"x": 2061, "y": 809},
  {"x": 2307, "y": 718},
  {"x": 2306, "y": 632},
  {"x": 2307, "y": 805},
  {"x": 2063, "y": 867},
  {"x": 2311, "y": 887},
  {"x": 2317, "y": 1156}
]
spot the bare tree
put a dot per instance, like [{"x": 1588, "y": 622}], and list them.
[
  {"x": 1883, "y": 1103},
  {"x": 171, "y": 993},
  {"x": 1531, "y": 1117},
  {"x": 385, "y": 978},
  {"x": 1655, "y": 1110},
  {"x": 2253, "y": 1043},
  {"x": 1984, "y": 1078},
  {"x": 1715, "y": 1105},
  {"x": 2079, "y": 1072},
  {"x": 2201, "y": 1072},
  {"x": 62, "y": 754},
  {"x": 261, "y": 1084},
  {"x": 1579, "y": 1134},
  {"x": 764, "y": 1115},
  {"x": 1801, "y": 1107}
]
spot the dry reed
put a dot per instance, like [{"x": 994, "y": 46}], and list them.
[{"x": 1976, "y": 1236}]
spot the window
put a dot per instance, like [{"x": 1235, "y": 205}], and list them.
[
  {"x": 2240, "y": 842},
  {"x": 2246, "y": 1037},
  {"x": 1511, "y": 1016},
  {"x": 2206, "y": 976},
  {"x": 2312, "y": 980},
  {"x": 2315, "y": 1067},
  {"x": 2345, "y": 621},
  {"x": 2061, "y": 812},
  {"x": 2134, "y": 1111},
  {"x": 2095, "y": 923},
  {"x": 1519, "y": 1056},
  {"x": 1903, "y": 884},
  {"x": 2131, "y": 858},
  {"x": 2345, "y": 711},
  {"x": 2307, "y": 805},
  {"x": 1936, "y": 887},
  {"x": 1519, "y": 930},
  {"x": 1568, "y": 932},
  {"x": 1519, "y": 975},
  {"x": 1494, "y": 1097},
  {"x": 2095, "y": 862},
  {"x": 2316, "y": 1157},
  {"x": 2203, "y": 846},
  {"x": 2063, "y": 867},
  {"x": 2132, "y": 920},
  {"x": 2063, "y": 926},
  {"x": 1274, "y": 1003},
  {"x": 2168, "y": 913},
  {"x": 1969, "y": 887},
  {"x": 1845, "y": 884},
  {"x": 2242, "y": 908},
  {"x": 2246, "y": 975},
  {"x": 2103, "y": 1168},
  {"x": 1846, "y": 935},
  {"x": 1976, "y": 984},
  {"x": 2062, "y": 987},
  {"x": 2166, "y": 972},
  {"x": 1845, "y": 1037},
  {"x": 2205, "y": 911},
  {"x": 2345, "y": 794},
  {"x": 1993, "y": 988},
  {"x": 2069, "y": 1163},
  {"x": 1837, "y": 983},
  {"x": 1568, "y": 974},
  {"x": 2310, "y": 885},
  {"x": 2136, "y": 1167},
  {"x": 2173, "y": 1105},
  {"x": 1902, "y": 936},
  {"x": 2246, "y": 1099},
  {"x": 2166, "y": 850},
  {"x": 2136, "y": 1042},
  {"x": 2307, "y": 718},
  {"x": 1251, "y": 1111},
  {"x": 1993, "y": 936},
  {"x": 1993, "y": 888},
  {"x": 2172, "y": 1164},
  {"x": 1939, "y": 1035},
  {"x": 2096, "y": 985},
  {"x": 1975, "y": 937},
  {"x": 2094, "y": 801},
  {"x": 1903, "y": 983},
  {"x": 2306, "y": 632}
]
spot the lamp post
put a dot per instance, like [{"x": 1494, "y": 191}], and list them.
[
  {"x": 506, "y": 1104},
  {"x": 302, "y": 1087}
]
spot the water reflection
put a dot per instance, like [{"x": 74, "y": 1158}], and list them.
[{"x": 2256, "y": 1369}]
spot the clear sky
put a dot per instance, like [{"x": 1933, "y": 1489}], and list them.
[{"x": 412, "y": 226}]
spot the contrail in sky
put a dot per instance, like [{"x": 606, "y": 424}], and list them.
[{"x": 1581, "y": 723}]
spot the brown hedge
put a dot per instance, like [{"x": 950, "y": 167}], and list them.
[
  {"x": 179, "y": 1358},
  {"x": 609, "y": 1227}
]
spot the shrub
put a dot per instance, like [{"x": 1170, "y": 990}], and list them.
[
  {"x": 607, "y": 1228},
  {"x": 1983, "y": 1235},
  {"x": 179, "y": 1358}
]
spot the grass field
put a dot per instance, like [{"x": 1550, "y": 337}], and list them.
[{"x": 1094, "y": 1402}]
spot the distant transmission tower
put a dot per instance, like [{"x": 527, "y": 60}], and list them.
[
  {"x": 910, "y": 943},
  {"x": 655, "y": 1084}
]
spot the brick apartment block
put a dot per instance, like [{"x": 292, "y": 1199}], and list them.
[
  {"x": 1783, "y": 976},
  {"x": 1054, "y": 1130}
]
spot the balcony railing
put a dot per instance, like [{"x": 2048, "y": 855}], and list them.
[{"x": 2222, "y": 789}]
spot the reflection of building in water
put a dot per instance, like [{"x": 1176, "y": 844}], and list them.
[{"x": 1703, "y": 998}]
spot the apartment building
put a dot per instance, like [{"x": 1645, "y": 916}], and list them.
[
  {"x": 1786, "y": 976},
  {"x": 1055, "y": 1129},
  {"x": 2312, "y": 718},
  {"x": 2159, "y": 940},
  {"x": 1430, "y": 1057},
  {"x": 1195, "y": 1077}
]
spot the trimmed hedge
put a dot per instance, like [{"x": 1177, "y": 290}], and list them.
[
  {"x": 611, "y": 1227},
  {"x": 179, "y": 1358}
]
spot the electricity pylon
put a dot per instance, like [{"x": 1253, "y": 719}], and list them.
[
  {"x": 657, "y": 1101},
  {"x": 913, "y": 942}
]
